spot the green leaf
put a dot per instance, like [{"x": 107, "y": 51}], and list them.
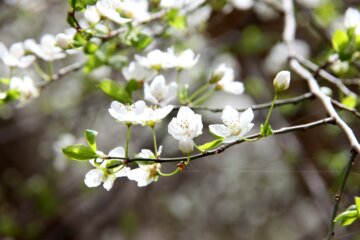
[
  {"x": 210, "y": 145},
  {"x": 348, "y": 216},
  {"x": 349, "y": 101},
  {"x": 90, "y": 136},
  {"x": 115, "y": 91},
  {"x": 92, "y": 63},
  {"x": 5, "y": 81},
  {"x": 11, "y": 95},
  {"x": 71, "y": 20},
  {"x": 141, "y": 41},
  {"x": 80, "y": 39},
  {"x": 132, "y": 86},
  {"x": 357, "y": 204},
  {"x": 113, "y": 164},
  {"x": 79, "y": 152},
  {"x": 90, "y": 47},
  {"x": 265, "y": 130},
  {"x": 176, "y": 20},
  {"x": 340, "y": 40},
  {"x": 80, "y": 5}
]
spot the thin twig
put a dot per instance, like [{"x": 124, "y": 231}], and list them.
[
  {"x": 62, "y": 72},
  {"x": 324, "y": 74},
  {"x": 293, "y": 100},
  {"x": 221, "y": 149},
  {"x": 338, "y": 196}
]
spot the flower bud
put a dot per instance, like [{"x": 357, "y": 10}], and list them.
[
  {"x": 63, "y": 41},
  {"x": 282, "y": 81}
]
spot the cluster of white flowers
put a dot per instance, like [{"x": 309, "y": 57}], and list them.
[
  {"x": 107, "y": 9},
  {"x": 143, "y": 175},
  {"x": 157, "y": 59},
  {"x": 138, "y": 113}
]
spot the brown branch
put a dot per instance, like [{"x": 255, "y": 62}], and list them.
[
  {"x": 293, "y": 100},
  {"x": 221, "y": 149}
]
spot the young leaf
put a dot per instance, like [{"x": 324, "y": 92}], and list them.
[
  {"x": 265, "y": 130},
  {"x": 348, "y": 216},
  {"x": 141, "y": 41},
  {"x": 176, "y": 20},
  {"x": 340, "y": 40},
  {"x": 113, "y": 164},
  {"x": 79, "y": 152},
  {"x": 357, "y": 204},
  {"x": 90, "y": 138},
  {"x": 115, "y": 91},
  {"x": 132, "y": 86},
  {"x": 349, "y": 101},
  {"x": 210, "y": 145}
]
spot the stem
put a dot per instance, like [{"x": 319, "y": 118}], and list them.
[
  {"x": 178, "y": 80},
  {"x": 127, "y": 141},
  {"x": 50, "y": 68},
  {"x": 338, "y": 196},
  {"x": 199, "y": 91},
  {"x": 169, "y": 174},
  {"x": 154, "y": 139},
  {"x": 11, "y": 72},
  {"x": 41, "y": 72},
  {"x": 203, "y": 97},
  {"x": 271, "y": 108}
]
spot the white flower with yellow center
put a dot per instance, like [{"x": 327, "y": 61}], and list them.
[
  {"x": 128, "y": 114},
  {"x": 185, "y": 60},
  {"x": 15, "y": 56},
  {"x": 137, "y": 72},
  {"x": 101, "y": 174},
  {"x": 151, "y": 116},
  {"x": 155, "y": 60},
  {"x": 47, "y": 49},
  {"x": 235, "y": 125},
  {"x": 25, "y": 86},
  {"x": 186, "y": 126},
  {"x": 138, "y": 10},
  {"x": 224, "y": 77},
  {"x": 145, "y": 173},
  {"x": 158, "y": 92},
  {"x": 109, "y": 9}
]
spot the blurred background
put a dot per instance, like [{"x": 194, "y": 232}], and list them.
[{"x": 278, "y": 188}]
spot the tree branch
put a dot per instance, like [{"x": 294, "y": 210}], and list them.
[
  {"x": 338, "y": 196},
  {"x": 221, "y": 149}
]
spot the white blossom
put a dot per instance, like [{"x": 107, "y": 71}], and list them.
[
  {"x": 151, "y": 116},
  {"x": 92, "y": 14},
  {"x": 243, "y": 4},
  {"x": 158, "y": 92},
  {"x": 352, "y": 18},
  {"x": 282, "y": 81},
  {"x": 128, "y": 114},
  {"x": 65, "y": 40},
  {"x": 155, "y": 60},
  {"x": 25, "y": 86},
  {"x": 224, "y": 77},
  {"x": 47, "y": 49},
  {"x": 15, "y": 56},
  {"x": 109, "y": 9},
  {"x": 235, "y": 125},
  {"x": 136, "y": 10},
  {"x": 95, "y": 177},
  {"x": 138, "y": 72},
  {"x": 186, "y": 126},
  {"x": 145, "y": 174},
  {"x": 184, "y": 60}
]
